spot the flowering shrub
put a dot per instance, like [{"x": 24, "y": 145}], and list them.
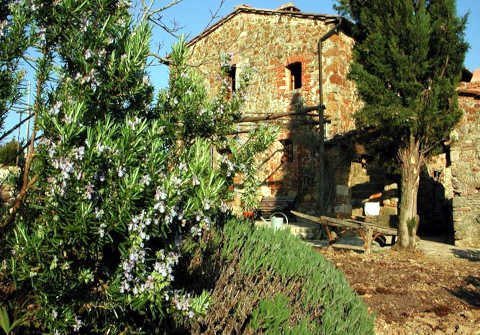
[{"x": 123, "y": 184}]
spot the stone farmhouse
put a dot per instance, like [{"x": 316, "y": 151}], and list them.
[{"x": 282, "y": 46}]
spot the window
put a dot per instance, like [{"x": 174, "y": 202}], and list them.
[
  {"x": 231, "y": 74},
  {"x": 287, "y": 150},
  {"x": 295, "y": 75}
]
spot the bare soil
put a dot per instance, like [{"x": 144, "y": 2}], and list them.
[{"x": 434, "y": 290}]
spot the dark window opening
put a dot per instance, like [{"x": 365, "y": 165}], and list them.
[
  {"x": 232, "y": 72},
  {"x": 295, "y": 72},
  {"x": 287, "y": 150}
]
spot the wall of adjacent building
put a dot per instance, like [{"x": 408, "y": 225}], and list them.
[{"x": 465, "y": 171}]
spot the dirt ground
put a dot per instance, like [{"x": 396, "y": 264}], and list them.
[{"x": 434, "y": 291}]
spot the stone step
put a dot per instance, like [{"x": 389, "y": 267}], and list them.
[{"x": 305, "y": 230}]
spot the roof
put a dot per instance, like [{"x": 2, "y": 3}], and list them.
[
  {"x": 285, "y": 10},
  {"x": 471, "y": 88}
]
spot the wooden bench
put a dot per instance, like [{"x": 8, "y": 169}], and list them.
[
  {"x": 368, "y": 231},
  {"x": 269, "y": 205}
]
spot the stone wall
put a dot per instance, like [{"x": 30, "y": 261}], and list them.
[
  {"x": 466, "y": 220},
  {"x": 465, "y": 149},
  {"x": 268, "y": 42},
  {"x": 465, "y": 168}
]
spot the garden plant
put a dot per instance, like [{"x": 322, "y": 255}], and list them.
[{"x": 123, "y": 192}]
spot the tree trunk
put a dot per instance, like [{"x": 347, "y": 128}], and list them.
[{"x": 411, "y": 161}]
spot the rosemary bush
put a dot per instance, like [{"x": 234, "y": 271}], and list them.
[{"x": 125, "y": 183}]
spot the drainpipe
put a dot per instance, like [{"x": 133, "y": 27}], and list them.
[{"x": 321, "y": 110}]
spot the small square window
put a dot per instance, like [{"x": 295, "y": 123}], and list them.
[{"x": 295, "y": 75}]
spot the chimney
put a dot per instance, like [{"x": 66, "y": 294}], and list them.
[
  {"x": 288, "y": 7},
  {"x": 476, "y": 76},
  {"x": 243, "y": 6}
]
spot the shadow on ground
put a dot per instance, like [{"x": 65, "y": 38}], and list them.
[
  {"x": 468, "y": 254},
  {"x": 470, "y": 292}
]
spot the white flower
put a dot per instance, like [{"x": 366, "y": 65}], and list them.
[
  {"x": 195, "y": 180},
  {"x": 146, "y": 80},
  {"x": 223, "y": 207},
  {"x": 182, "y": 166},
  {"x": 89, "y": 192},
  {"x": 79, "y": 152},
  {"x": 177, "y": 181},
  {"x": 88, "y": 54},
  {"x": 78, "y": 324},
  {"x": 56, "y": 108},
  {"x": 85, "y": 24},
  {"x": 121, "y": 172}
]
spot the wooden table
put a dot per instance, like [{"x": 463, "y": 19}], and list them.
[{"x": 368, "y": 231}]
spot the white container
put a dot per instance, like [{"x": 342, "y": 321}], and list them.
[
  {"x": 372, "y": 208},
  {"x": 277, "y": 222}
]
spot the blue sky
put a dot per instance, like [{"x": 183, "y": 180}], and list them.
[{"x": 194, "y": 15}]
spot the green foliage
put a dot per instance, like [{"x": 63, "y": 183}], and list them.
[
  {"x": 304, "y": 285},
  {"x": 411, "y": 224},
  {"x": 190, "y": 115},
  {"x": 8, "y": 153},
  {"x": 271, "y": 315},
  {"x": 5, "y": 324},
  {"x": 125, "y": 186},
  {"x": 14, "y": 41},
  {"x": 407, "y": 62}
]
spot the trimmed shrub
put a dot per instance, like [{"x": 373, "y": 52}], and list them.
[
  {"x": 272, "y": 283},
  {"x": 8, "y": 153}
]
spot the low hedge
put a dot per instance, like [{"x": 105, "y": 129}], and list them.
[{"x": 270, "y": 282}]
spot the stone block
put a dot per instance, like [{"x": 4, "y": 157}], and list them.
[
  {"x": 357, "y": 212},
  {"x": 383, "y": 220},
  {"x": 343, "y": 209},
  {"x": 342, "y": 190},
  {"x": 454, "y": 155},
  {"x": 391, "y": 187},
  {"x": 385, "y": 210}
]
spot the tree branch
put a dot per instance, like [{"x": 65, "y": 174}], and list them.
[
  {"x": 162, "y": 60},
  {"x": 214, "y": 14},
  {"x": 18, "y": 202},
  {"x": 18, "y": 125},
  {"x": 302, "y": 111}
]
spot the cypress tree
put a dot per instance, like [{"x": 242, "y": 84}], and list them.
[{"x": 408, "y": 59}]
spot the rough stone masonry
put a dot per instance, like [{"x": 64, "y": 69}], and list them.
[{"x": 281, "y": 47}]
